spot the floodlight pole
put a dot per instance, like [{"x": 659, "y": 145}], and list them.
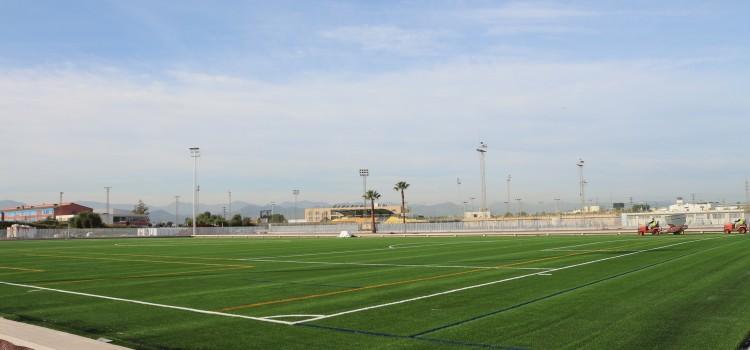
[
  {"x": 364, "y": 173},
  {"x": 295, "y": 193},
  {"x": 482, "y": 149},
  {"x": 557, "y": 205},
  {"x": 61, "y": 197},
  {"x": 230, "y": 203},
  {"x": 109, "y": 216},
  {"x": 195, "y": 153}
]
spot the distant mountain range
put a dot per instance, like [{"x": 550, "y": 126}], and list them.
[{"x": 167, "y": 212}]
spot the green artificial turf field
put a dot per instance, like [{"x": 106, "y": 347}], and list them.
[{"x": 557, "y": 292}]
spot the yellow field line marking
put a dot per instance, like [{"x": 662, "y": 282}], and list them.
[
  {"x": 20, "y": 269},
  {"x": 563, "y": 256},
  {"x": 162, "y": 256},
  {"x": 136, "y": 260},
  {"x": 312, "y": 296},
  {"x": 142, "y": 276}
]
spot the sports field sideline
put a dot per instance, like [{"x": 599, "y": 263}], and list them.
[{"x": 666, "y": 292}]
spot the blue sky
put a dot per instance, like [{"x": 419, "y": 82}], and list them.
[{"x": 293, "y": 94}]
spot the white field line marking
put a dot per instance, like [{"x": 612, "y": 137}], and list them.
[
  {"x": 559, "y": 249},
  {"x": 389, "y": 247},
  {"x": 398, "y": 265},
  {"x": 207, "y": 312},
  {"x": 592, "y": 250},
  {"x": 495, "y": 282},
  {"x": 288, "y": 316},
  {"x": 190, "y": 244}
]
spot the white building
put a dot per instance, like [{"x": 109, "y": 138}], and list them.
[{"x": 698, "y": 215}]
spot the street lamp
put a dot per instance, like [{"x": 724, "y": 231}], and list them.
[
  {"x": 520, "y": 207},
  {"x": 582, "y": 184},
  {"x": 364, "y": 173},
  {"x": 195, "y": 153}
]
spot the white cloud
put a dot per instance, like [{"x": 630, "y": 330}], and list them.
[
  {"x": 514, "y": 29},
  {"x": 525, "y": 11},
  {"x": 77, "y": 131},
  {"x": 386, "y": 38}
]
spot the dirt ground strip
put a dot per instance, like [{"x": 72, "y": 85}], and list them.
[{"x": 21, "y": 336}]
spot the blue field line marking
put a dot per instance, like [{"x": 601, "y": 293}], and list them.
[
  {"x": 516, "y": 306},
  {"x": 397, "y": 336}
]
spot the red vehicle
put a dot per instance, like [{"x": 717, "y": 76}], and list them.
[
  {"x": 657, "y": 230},
  {"x": 728, "y": 228}
]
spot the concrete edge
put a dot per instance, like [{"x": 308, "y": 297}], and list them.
[{"x": 40, "y": 338}]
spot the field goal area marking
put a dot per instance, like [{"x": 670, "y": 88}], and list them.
[
  {"x": 272, "y": 318},
  {"x": 494, "y": 282},
  {"x": 182, "y": 308}
]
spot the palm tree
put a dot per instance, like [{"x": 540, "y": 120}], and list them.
[
  {"x": 372, "y": 195},
  {"x": 401, "y": 186}
]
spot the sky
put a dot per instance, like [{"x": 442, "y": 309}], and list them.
[{"x": 283, "y": 95}]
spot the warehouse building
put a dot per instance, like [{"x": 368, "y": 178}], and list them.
[{"x": 35, "y": 213}]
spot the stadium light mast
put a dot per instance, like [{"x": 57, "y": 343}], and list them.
[
  {"x": 61, "y": 197},
  {"x": 482, "y": 149},
  {"x": 230, "y": 203},
  {"x": 557, "y": 205},
  {"x": 295, "y": 193},
  {"x": 581, "y": 193},
  {"x": 195, "y": 153},
  {"x": 177, "y": 211},
  {"x": 364, "y": 173}
]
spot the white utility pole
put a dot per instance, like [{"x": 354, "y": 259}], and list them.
[
  {"x": 482, "y": 149},
  {"x": 195, "y": 153},
  {"x": 109, "y": 215},
  {"x": 460, "y": 198},
  {"x": 507, "y": 194},
  {"x": 177, "y": 210}
]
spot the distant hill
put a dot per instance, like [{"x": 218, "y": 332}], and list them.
[{"x": 9, "y": 204}]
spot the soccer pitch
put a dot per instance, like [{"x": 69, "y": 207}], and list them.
[{"x": 556, "y": 292}]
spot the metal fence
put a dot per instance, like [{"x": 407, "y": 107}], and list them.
[
  {"x": 709, "y": 219},
  {"x": 313, "y": 229},
  {"x": 517, "y": 225}
]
